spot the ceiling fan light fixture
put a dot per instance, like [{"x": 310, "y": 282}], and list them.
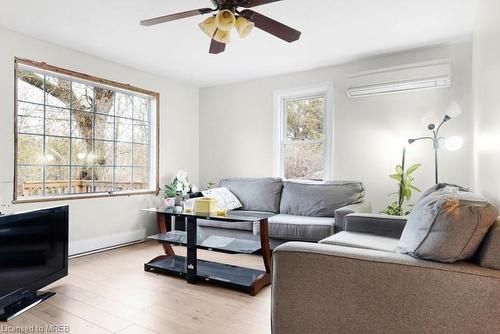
[
  {"x": 243, "y": 26},
  {"x": 225, "y": 20},
  {"x": 222, "y": 36},
  {"x": 208, "y": 26}
]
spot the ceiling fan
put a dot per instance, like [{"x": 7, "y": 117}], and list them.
[{"x": 226, "y": 16}]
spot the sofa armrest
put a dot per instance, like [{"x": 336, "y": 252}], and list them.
[
  {"x": 377, "y": 224},
  {"x": 361, "y": 207},
  {"x": 333, "y": 289}
]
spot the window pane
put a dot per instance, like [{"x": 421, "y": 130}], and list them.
[
  {"x": 141, "y": 107},
  {"x": 30, "y": 118},
  {"x": 123, "y": 105},
  {"x": 304, "y": 161},
  {"x": 57, "y": 180},
  {"x": 141, "y": 178},
  {"x": 29, "y": 149},
  {"x": 83, "y": 96},
  {"x": 76, "y": 138},
  {"x": 104, "y": 101},
  {"x": 141, "y": 155},
  {"x": 80, "y": 151},
  {"x": 123, "y": 129},
  {"x": 57, "y": 121},
  {"x": 123, "y": 178},
  {"x": 57, "y": 151},
  {"x": 29, "y": 180},
  {"x": 103, "y": 179},
  {"x": 29, "y": 86},
  {"x": 123, "y": 154},
  {"x": 82, "y": 124},
  {"x": 104, "y": 153},
  {"x": 141, "y": 132},
  {"x": 57, "y": 92},
  {"x": 104, "y": 127},
  {"x": 305, "y": 119},
  {"x": 81, "y": 180}
]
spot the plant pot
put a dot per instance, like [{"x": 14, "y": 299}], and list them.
[
  {"x": 169, "y": 202},
  {"x": 179, "y": 199}
]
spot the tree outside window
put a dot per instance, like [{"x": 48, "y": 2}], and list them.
[{"x": 77, "y": 137}]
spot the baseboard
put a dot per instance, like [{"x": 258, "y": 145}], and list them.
[{"x": 90, "y": 245}]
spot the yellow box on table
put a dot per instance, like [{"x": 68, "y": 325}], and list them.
[{"x": 206, "y": 205}]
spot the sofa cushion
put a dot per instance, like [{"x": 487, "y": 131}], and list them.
[
  {"x": 318, "y": 199},
  {"x": 262, "y": 194},
  {"x": 447, "y": 225},
  {"x": 489, "y": 252},
  {"x": 297, "y": 228},
  {"x": 362, "y": 240}
]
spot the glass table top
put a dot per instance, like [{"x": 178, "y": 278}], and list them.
[{"x": 235, "y": 215}]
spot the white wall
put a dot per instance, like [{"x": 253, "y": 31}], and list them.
[
  {"x": 236, "y": 124},
  {"x": 101, "y": 222},
  {"x": 486, "y": 54}
]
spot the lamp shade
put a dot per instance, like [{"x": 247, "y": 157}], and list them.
[
  {"x": 454, "y": 143},
  {"x": 209, "y": 26},
  {"x": 225, "y": 20},
  {"x": 243, "y": 26},
  {"x": 222, "y": 36},
  {"x": 453, "y": 110}
]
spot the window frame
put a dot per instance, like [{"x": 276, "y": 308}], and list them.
[
  {"x": 100, "y": 82},
  {"x": 281, "y": 98}
]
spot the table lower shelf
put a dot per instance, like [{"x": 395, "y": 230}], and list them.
[{"x": 241, "y": 278}]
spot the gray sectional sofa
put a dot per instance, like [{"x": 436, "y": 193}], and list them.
[
  {"x": 364, "y": 280},
  {"x": 305, "y": 211}
]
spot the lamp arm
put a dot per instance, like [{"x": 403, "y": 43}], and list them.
[
  {"x": 440, "y": 125},
  {"x": 421, "y": 138}
]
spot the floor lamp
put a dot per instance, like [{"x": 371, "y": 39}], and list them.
[{"x": 452, "y": 143}]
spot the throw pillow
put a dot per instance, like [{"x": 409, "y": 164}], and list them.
[
  {"x": 441, "y": 186},
  {"x": 225, "y": 198},
  {"x": 447, "y": 225}
]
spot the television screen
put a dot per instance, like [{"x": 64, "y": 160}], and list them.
[{"x": 33, "y": 250}]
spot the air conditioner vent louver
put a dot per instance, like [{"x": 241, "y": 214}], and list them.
[{"x": 399, "y": 79}]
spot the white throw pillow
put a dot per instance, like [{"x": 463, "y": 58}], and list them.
[{"x": 225, "y": 198}]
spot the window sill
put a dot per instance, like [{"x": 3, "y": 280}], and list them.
[{"x": 82, "y": 197}]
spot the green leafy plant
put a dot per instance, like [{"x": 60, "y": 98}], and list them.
[
  {"x": 405, "y": 181},
  {"x": 170, "y": 190}
]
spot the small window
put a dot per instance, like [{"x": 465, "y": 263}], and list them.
[
  {"x": 304, "y": 145},
  {"x": 82, "y": 137}
]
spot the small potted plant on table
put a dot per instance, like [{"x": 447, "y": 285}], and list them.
[{"x": 170, "y": 195}]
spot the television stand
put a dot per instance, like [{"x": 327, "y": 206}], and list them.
[{"x": 23, "y": 305}]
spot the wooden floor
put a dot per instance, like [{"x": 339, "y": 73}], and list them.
[{"x": 110, "y": 293}]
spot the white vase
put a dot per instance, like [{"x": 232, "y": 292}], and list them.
[{"x": 169, "y": 202}]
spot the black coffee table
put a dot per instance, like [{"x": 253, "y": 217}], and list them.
[{"x": 194, "y": 270}]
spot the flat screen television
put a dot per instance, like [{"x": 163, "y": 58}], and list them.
[{"x": 33, "y": 254}]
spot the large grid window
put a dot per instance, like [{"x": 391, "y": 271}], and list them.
[
  {"x": 304, "y": 149},
  {"x": 75, "y": 137}
]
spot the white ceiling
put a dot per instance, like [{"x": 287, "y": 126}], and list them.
[{"x": 333, "y": 31}]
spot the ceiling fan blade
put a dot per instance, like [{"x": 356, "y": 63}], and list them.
[
  {"x": 271, "y": 26},
  {"x": 216, "y": 47},
  {"x": 176, "y": 16},
  {"x": 254, "y": 3}
]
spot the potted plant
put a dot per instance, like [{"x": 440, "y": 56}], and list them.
[
  {"x": 170, "y": 194},
  {"x": 405, "y": 181},
  {"x": 182, "y": 186}
]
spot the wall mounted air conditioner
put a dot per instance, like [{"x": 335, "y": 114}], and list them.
[{"x": 428, "y": 75}]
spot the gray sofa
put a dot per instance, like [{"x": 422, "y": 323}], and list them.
[
  {"x": 355, "y": 282},
  {"x": 305, "y": 211}
]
